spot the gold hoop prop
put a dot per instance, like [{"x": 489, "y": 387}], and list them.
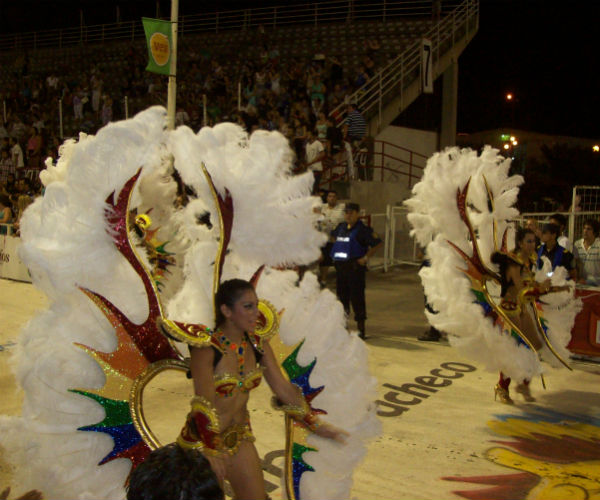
[{"x": 136, "y": 397}]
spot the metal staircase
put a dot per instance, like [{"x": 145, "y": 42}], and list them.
[{"x": 397, "y": 85}]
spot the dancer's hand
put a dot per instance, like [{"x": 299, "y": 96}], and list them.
[
  {"x": 218, "y": 466},
  {"x": 331, "y": 432}
]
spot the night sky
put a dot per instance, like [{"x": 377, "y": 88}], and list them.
[{"x": 544, "y": 52}]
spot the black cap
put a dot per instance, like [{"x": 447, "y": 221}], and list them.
[{"x": 352, "y": 206}]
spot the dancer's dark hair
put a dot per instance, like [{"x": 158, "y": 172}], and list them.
[
  {"x": 522, "y": 232},
  {"x": 228, "y": 294}
]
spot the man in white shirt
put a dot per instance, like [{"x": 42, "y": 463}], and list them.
[
  {"x": 333, "y": 215},
  {"x": 314, "y": 154},
  {"x": 52, "y": 82},
  {"x": 16, "y": 153},
  {"x": 587, "y": 254}
]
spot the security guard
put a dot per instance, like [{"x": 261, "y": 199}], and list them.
[{"x": 353, "y": 244}]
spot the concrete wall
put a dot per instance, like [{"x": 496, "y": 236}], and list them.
[
  {"x": 373, "y": 196},
  {"x": 422, "y": 142}
]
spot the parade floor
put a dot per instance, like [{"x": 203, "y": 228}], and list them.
[{"x": 443, "y": 433}]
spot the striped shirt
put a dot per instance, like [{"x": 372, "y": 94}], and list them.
[
  {"x": 357, "y": 127},
  {"x": 589, "y": 261}
]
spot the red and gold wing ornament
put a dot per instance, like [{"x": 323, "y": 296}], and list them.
[{"x": 144, "y": 350}]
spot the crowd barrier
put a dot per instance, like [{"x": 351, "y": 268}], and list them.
[
  {"x": 585, "y": 335},
  {"x": 11, "y": 266}
]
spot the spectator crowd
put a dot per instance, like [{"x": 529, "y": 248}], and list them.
[{"x": 297, "y": 97}]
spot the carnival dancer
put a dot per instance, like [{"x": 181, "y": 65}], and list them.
[
  {"x": 486, "y": 297},
  {"x": 223, "y": 375},
  {"x": 518, "y": 290},
  {"x": 131, "y": 269}
]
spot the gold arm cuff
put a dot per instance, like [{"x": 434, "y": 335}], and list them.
[
  {"x": 302, "y": 413},
  {"x": 198, "y": 445},
  {"x": 294, "y": 411}
]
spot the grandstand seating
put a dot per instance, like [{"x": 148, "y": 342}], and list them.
[{"x": 346, "y": 41}]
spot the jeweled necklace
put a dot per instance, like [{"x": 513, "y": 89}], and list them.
[{"x": 239, "y": 351}]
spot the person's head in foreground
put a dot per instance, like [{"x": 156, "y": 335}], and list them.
[{"x": 174, "y": 473}]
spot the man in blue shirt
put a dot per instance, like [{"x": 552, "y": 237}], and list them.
[
  {"x": 353, "y": 244},
  {"x": 355, "y": 127},
  {"x": 557, "y": 255}
]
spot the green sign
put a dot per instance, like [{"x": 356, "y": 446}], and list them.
[{"x": 160, "y": 45}]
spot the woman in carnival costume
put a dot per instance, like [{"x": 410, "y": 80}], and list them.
[
  {"x": 224, "y": 373},
  {"x": 131, "y": 274},
  {"x": 518, "y": 290},
  {"x": 488, "y": 299}
]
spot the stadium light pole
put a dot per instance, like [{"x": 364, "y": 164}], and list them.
[{"x": 172, "y": 88}]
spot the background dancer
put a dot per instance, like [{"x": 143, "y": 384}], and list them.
[
  {"x": 461, "y": 211},
  {"x": 516, "y": 272}
]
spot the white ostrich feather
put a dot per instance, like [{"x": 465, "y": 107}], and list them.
[
  {"x": 66, "y": 244},
  {"x": 435, "y": 221}
]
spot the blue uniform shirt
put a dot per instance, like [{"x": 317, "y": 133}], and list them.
[{"x": 352, "y": 243}]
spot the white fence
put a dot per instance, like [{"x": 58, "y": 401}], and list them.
[
  {"x": 401, "y": 249},
  {"x": 398, "y": 246},
  {"x": 11, "y": 266}
]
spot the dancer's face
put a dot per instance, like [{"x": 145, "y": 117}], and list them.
[
  {"x": 527, "y": 244},
  {"x": 244, "y": 313}
]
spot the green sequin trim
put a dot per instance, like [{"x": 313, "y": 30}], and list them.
[
  {"x": 298, "y": 450},
  {"x": 117, "y": 412},
  {"x": 291, "y": 366}
]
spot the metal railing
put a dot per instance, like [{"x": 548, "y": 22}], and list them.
[
  {"x": 314, "y": 14},
  {"x": 373, "y": 165},
  {"x": 390, "y": 158},
  {"x": 395, "y": 78}
]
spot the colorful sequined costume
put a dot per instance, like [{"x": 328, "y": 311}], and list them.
[
  {"x": 129, "y": 242},
  {"x": 462, "y": 211}
]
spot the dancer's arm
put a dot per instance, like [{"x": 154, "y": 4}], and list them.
[
  {"x": 291, "y": 396},
  {"x": 201, "y": 365},
  {"x": 530, "y": 288}
]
